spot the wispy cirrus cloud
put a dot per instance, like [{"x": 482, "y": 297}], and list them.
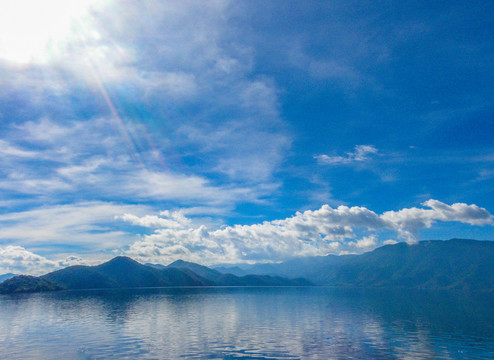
[
  {"x": 82, "y": 226},
  {"x": 8, "y": 150},
  {"x": 46, "y": 158},
  {"x": 173, "y": 57},
  {"x": 360, "y": 154}
]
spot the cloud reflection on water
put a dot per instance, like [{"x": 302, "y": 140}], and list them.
[{"x": 252, "y": 323}]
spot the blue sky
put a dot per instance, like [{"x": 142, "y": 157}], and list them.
[{"x": 228, "y": 132}]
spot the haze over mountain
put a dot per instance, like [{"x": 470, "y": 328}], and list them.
[
  {"x": 452, "y": 264},
  {"x": 6, "y": 276},
  {"x": 242, "y": 280}
]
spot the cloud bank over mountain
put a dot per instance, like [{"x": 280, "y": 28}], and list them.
[
  {"x": 313, "y": 232},
  {"x": 172, "y": 235}
]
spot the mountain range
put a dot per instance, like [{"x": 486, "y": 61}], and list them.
[
  {"x": 124, "y": 272},
  {"x": 434, "y": 264}
]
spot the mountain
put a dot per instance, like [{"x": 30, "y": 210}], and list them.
[
  {"x": 306, "y": 267},
  {"x": 200, "y": 270},
  {"x": 233, "y": 280},
  {"x": 234, "y": 270},
  {"x": 156, "y": 266},
  {"x": 454, "y": 264},
  {"x": 24, "y": 283},
  {"x": 433, "y": 264},
  {"x": 6, "y": 276},
  {"x": 261, "y": 280},
  {"x": 123, "y": 272}
]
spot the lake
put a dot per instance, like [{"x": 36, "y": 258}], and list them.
[{"x": 247, "y": 323}]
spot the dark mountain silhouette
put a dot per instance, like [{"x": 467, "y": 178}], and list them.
[
  {"x": 25, "y": 283},
  {"x": 156, "y": 266},
  {"x": 453, "y": 264},
  {"x": 123, "y": 272},
  {"x": 261, "y": 280},
  {"x": 233, "y": 280},
  {"x": 200, "y": 270},
  {"x": 433, "y": 264}
]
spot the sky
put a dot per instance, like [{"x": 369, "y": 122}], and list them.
[{"x": 226, "y": 132}]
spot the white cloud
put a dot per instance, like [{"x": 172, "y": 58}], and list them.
[
  {"x": 390, "y": 242},
  {"x": 176, "y": 85},
  {"x": 367, "y": 242},
  {"x": 87, "y": 225},
  {"x": 409, "y": 221},
  {"x": 361, "y": 153},
  {"x": 17, "y": 260},
  {"x": 7, "y": 149},
  {"x": 167, "y": 219},
  {"x": 94, "y": 228},
  {"x": 186, "y": 188},
  {"x": 88, "y": 156},
  {"x": 313, "y": 232},
  {"x": 175, "y": 51}
]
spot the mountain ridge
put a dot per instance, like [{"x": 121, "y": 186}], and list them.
[
  {"x": 124, "y": 272},
  {"x": 432, "y": 264}
]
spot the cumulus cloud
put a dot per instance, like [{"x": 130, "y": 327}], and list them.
[
  {"x": 367, "y": 242},
  {"x": 18, "y": 260},
  {"x": 175, "y": 235},
  {"x": 313, "y": 232},
  {"x": 409, "y": 221},
  {"x": 361, "y": 153}
]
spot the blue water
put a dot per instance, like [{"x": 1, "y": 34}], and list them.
[{"x": 247, "y": 323}]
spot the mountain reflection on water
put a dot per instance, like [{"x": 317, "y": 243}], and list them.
[{"x": 247, "y": 323}]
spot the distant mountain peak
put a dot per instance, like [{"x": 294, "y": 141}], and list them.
[
  {"x": 4, "y": 277},
  {"x": 179, "y": 262},
  {"x": 121, "y": 260}
]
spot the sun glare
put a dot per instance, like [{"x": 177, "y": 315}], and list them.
[{"x": 34, "y": 31}]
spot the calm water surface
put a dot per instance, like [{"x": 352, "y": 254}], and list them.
[{"x": 247, "y": 323}]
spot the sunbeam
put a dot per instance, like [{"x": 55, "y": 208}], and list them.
[{"x": 34, "y": 31}]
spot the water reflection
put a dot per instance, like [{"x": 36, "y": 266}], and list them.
[{"x": 247, "y": 323}]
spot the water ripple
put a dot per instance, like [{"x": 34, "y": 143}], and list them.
[{"x": 250, "y": 323}]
